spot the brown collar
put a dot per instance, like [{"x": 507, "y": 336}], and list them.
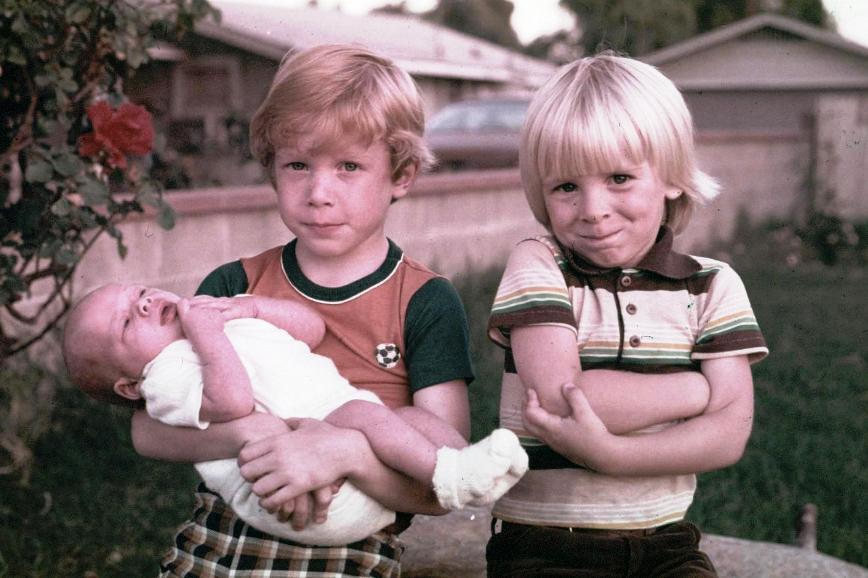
[{"x": 661, "y": 259}]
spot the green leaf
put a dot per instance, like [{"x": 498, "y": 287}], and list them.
[
  {"x": 61, "y": 208},
  {"x": 20, "y": 25},
  {"x": 166, "y": 217},
  {"x": 15, "y": 56},
  {"x": 65, "y": 256},
  {"x": 67, "y": 164},
  {"x": 67, "y": 85},
  {"x": 38, "y": 171},
  {"x": 78, "y": 13},
  {"x": 50, "y": 248},
  {"x": 93, "y": 191},
  {"x": 148, "y": 195}
]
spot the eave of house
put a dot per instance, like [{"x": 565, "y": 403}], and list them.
[
  {"x": 741, "y": 57},
  {"x": 746, "y": 26},
  {"x": 419, "y": 47}
]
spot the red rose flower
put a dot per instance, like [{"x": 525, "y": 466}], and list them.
[{"x": 125, "y": 131}]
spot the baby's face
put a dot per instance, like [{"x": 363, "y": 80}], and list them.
[{"x": 131, "y": 324}]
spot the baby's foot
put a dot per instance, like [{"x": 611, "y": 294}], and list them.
[{"x": 481, "y": 473}]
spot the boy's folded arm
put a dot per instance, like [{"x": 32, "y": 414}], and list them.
[
  {"x": 547, "y": 356},
  {"x": 713, "y": 440},
  {"x": 318, "y": 454}
]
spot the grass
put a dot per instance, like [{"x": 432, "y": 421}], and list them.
[{"x": 94, "y": 508}]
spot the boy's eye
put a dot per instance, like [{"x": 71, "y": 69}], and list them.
[
  {"x": 566, "y": 187},
  {"x": 295, "y": 166},
  {"x": 620, "y": 179},
  {"x": 351, "y": 167}
]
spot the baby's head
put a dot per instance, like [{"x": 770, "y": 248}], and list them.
[
  {"x": 599, "y": 110},
  {"x": 333, "y": 92},
  {"x": 112, "y": 333}
]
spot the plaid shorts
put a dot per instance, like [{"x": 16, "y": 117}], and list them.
[{"x": 215, "y": 543}]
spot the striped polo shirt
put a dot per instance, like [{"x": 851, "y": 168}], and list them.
[{"x": 668, "y": 314}]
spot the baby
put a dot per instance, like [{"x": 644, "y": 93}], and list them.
[{"x": 196, "y": 361}]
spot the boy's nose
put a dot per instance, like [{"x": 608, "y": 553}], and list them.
[
  {"x": 595, "y": 207},
  {"x": 319, "y": 191}
]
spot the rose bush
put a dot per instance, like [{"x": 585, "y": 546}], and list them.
[{"x": 70, "y": 145}]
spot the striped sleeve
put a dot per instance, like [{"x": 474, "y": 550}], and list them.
[
  {"x": 532, "y": 292},
  {"x": 727, "y": 325}
]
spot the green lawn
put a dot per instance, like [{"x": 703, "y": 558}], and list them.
[{"x": 93, "y": 505}]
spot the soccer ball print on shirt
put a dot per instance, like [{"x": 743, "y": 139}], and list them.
[{"x": 387, "y": 355}]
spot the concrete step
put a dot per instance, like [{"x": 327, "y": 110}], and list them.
[{"x": 453, "y": 546}]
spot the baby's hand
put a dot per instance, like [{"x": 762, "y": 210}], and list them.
[
  {"x": 198, "y": 319},
  {"x": 241, "y": 307}
]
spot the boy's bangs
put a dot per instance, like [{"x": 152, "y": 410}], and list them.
[
  {"x": 338, "y": 125},
  {"x": 589, "y": 142},
  {"x": 332, "y": 120}
]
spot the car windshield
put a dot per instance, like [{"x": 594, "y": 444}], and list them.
[{"x": 479, "y": 116}]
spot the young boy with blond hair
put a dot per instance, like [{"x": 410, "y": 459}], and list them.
[
  {"x": 613, "y": 337},
  {"x": 202, "y": 361},
  {"x": 340, "y": 134}
]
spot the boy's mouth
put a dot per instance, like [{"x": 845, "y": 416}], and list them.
[
  {"x": 598, "y": 237},
  {"x": 323, "y": 226}
]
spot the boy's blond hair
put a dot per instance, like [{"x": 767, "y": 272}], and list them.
[
  {"x": 598, "y": 109},
  {"x": 340, "y": 91},
  {"x": 85, "y": 367}
]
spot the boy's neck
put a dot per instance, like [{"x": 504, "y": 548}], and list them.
[{"x": 341, "y": 270}]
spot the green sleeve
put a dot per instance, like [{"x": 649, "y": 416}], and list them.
[
  {"x": 436, "y": 336},
  {"x": 224, "y": 281}
]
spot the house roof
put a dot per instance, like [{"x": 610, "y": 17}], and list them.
[
  {"x": 766, "y": 51},
  {"x": 420, "y": 47}
]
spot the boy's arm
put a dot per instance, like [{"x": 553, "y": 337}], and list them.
[
  {"x": 713, "y": 440},
  {"x": 274, "y": 465},
  {"x": 156, "y": 440},
  {"x": 226, "y": 392},
  {"x": 546, "y": 357}
]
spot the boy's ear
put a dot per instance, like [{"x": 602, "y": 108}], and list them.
[
  {"x": 127, "y": 388},
  {"x": 673, "y": 193},
  {"x": 401, "y": 184}
]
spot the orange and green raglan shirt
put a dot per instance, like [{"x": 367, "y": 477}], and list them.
[{"x": 394, "y": 332}]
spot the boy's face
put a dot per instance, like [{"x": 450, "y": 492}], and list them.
[
  {"x": 610, "y": 219},
  {"x": 335, "y": 196},
  {"x": 128, "y": 325}
]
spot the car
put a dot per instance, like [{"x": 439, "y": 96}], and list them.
[{"x": 477, "y": 134}]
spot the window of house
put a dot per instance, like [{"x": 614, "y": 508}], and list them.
[{"x": 205, "y": 91}]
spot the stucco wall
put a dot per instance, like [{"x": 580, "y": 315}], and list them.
[{"x": 456, "y": 222}]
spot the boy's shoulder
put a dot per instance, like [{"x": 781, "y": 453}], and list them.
[{"x": 710, "y": 266}]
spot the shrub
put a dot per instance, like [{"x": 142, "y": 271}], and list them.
[{"x": 72, "y": 163}]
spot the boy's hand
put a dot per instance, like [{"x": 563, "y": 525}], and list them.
[
  {"x": 309, "y": 459},
  {"x": 580, "y": 436},
  {"x": 306, "y": 508}
]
